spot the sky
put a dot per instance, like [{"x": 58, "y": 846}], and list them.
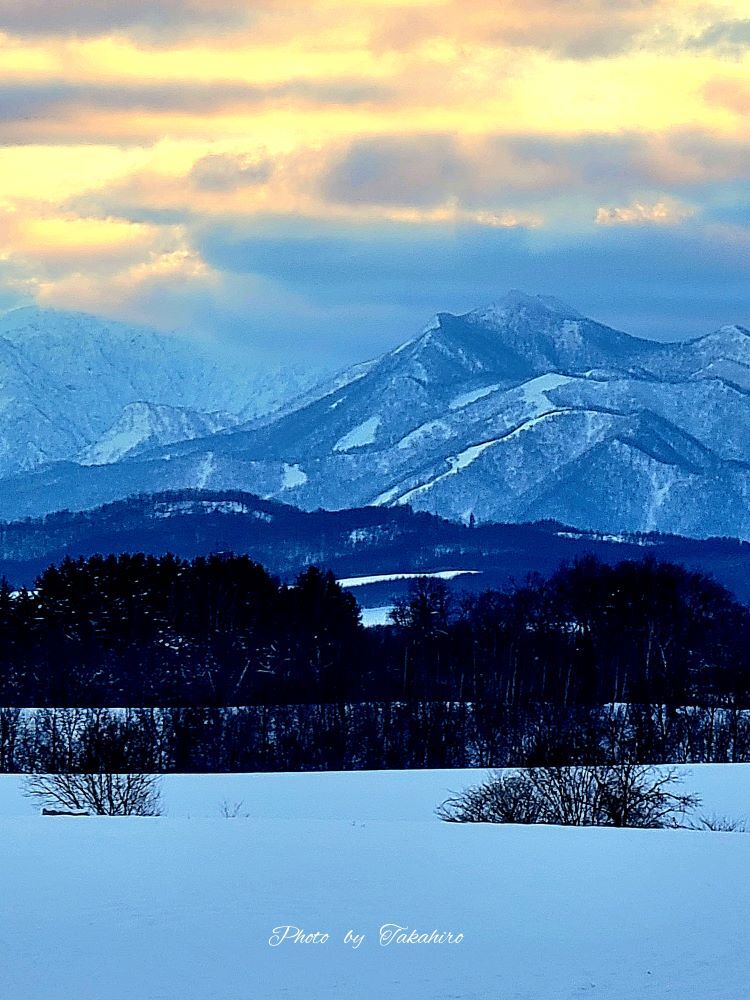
[{"x": 315, "y": 180}]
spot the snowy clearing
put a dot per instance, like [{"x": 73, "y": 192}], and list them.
[
  {"x": 359, "y": 436},
  {"x": 443, "y": 574},
  {"x": 183, "y": 909},
  {"x": 535, "y": 390},
  {"x": 598, "y": 536},
  {"x": 376, "y": 616},
  {"x": 292, "y": 476},
  {"x": 466, "y": 398},
  {"x": 432, "y": 429},
  {"x": 457, "y": 464}
]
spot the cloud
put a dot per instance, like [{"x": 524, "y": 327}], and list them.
[
  {"x": 130, "y": 113},
  {"x": 724, "y": 38},
  {"x": 399, "y": 169},
  {"x": 54, "y": 245},
  {"x": 167, "y": 289},
  {"x": 582, "y": 29},
  {"x": 571, "y": 29},
  {"x": 637, "y": 213},
  {"x": 24, "y": 101},
  {"x": 294, "y": 289},
  {"x": 665, "y": 280},
  {"x": 152, "y": 17},
  {"x": 226, "y": 172},
  {"x": 344, "y": 169},
  {"x": 517, "y": 170},
  {"x": 176, "y": 187},
  {"x": 559, "y": 183},
  {"x": 143, "y": 197},
  {"x": 336, "y": 294},
  {"x": 732, "y": 94}
]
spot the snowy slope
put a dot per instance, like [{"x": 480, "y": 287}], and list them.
[
  {"x": 142, "y": 426},
  {"x": 66, "y": 379},
  {"x": 183, "y": 909}
]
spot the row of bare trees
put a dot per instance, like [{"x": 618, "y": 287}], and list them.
[{"x": 365, "y": 735}]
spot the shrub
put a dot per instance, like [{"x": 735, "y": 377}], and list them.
[
  {"x": 629, "y": 795},
  {"x": 503, "y": 798},
  {"x": 719, "y": 824},
  {"x": 233, "y": 810}
]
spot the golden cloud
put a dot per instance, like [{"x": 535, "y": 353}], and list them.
[
  {"x": 123, "y": 127},
  {"x": 665, "y": 212},
  {"x": 730, "y": 93}
]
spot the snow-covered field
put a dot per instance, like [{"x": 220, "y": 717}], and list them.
[
  {"x": 183, "y": 907},
  {"x": 443, "y": 574}
]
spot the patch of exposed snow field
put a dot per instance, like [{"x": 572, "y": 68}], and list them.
[
  {"x": 179, "y": 908},
  {"x": 376, "y": 616},
  {"x": 292, "y": 476},
  {"x": 443, "y": 574},
  {"x": 536, "y": 389},
  {"x": 205, "y": 470},
  {"x": 432, "y": 429},
  {"x": 466, "y": 398},
  {"x": 359, "y": 436}
]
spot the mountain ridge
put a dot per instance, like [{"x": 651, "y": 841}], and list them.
[{"x": 518, "y": 411}]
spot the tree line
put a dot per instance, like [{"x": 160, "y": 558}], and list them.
[
  {"x": 136, "y": 630},
  {"x": 365, "y": 735}
]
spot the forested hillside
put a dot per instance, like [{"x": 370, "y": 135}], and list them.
[{"x": 368, "y": 540}]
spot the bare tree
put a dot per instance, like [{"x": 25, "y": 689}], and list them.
[{"x": 100, "y": 794}]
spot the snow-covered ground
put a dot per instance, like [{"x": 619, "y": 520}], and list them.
[
  {"x": 376, "y": 616},
  {"x": 180, "y": 908}
]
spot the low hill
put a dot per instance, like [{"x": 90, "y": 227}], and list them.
[{"x": 357, "y": 543}]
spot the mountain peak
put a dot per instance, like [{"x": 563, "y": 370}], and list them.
[
  {"x": 729, "y": 337},
  {"x": 518, "y": 336},
  {"x": 732, "y": 330},
  {"x": 516, "y": 301}
]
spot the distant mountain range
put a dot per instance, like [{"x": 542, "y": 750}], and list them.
[
  {"x": 80, "y": 388},
  {"x": 361, "y": 543},
  {"x": 520, "y": 411}
]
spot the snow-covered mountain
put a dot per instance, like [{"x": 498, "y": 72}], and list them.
[
  {"x": 519, "y": 411},
  {"x": 144, "y": 426},
  {"x": 69, "y": 382}
]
